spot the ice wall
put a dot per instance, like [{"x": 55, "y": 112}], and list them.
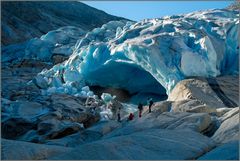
[{"x": 154, "y": 54}]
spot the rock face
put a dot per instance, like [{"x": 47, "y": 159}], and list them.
[
  {"x": 229, "y": 128},
  {"x": 227, "y": 151},
  {"x": 206, "y": 95},
  {"x": 15, "y": 127},
  {"x": 73, "y": 109},
  {"x": 74, "y": 140},
  {"x": 46, "y": 119},
  {"x": 25, "y": 109},
  {"x": 191, "y": 105},
  {"x": 168, "y": 120},
  {"x": 15, "y": 78},
  {"x": 151, "y": 144},
  {"x": 163, "y": 106},
  {"x": 54, "y": 129},
  {"x": 19, "y": 150},
  {"x": 104, "y": 128},
  {"x": 37, "y": 18}
]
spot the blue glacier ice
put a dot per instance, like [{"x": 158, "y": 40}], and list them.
[
  {"x": 106, "y": 97},
  {"x": 153, "y": 55},
  {"x": 56, "y": 42}
]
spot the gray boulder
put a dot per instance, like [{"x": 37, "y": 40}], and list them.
[
  {"x": 54, "y": 129},
  {"x": 213, "y": 92},
  {"x": 12, "y": 128},
  {"x": 163, "y": 106},
  {"x": 227, "y": 151},
  {"x": 19, "y": 150},
  {"x": 193, "y": 106},
  {"x": 229, "y": 128}
]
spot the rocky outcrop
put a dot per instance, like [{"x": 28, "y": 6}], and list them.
[
  {"x": 191, "y": 105},
  {"x": 12, "y": 128},
  {"x": 229, "y": 128},
  {"x": 74, "y": 140},
  {"x": 151, "y": 144},
  {"x": 25, "y": 109},
  {"x": 60, "y": 101},
  {"x": 72, "y": 108},
  {"x": 19, "y": 150},
  {"x": 227, "y": 151},
  {"x": 45, "y": 119},
  {"x": 168, "y": 120},
  {"x": 163, "y": 106},
  {"x": 15, "y": 78},
  {"x": 54, "y": 129},
  {"x": 105, "y": 127},
  {"x": 205, "y": 95}
]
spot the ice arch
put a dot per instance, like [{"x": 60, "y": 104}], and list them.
[{"x": 154, "y": 55}]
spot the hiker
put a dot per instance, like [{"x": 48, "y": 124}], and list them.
[
  {"x": 61, "y": 72},
  {"x": 119, "y": 115},
  {"x": 150, "y": 103},
  {"x": 140, "y": 108},
  {"x": 130, "y": 117}
]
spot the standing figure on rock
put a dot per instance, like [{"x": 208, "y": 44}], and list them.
[
  {"x": 150, "y": 103},
  {"x": 140, "y": 108},
  {"x": 61, "y": 72},
  {"x": 119, "y": 115},
  {"x": 130, "y": 117}
]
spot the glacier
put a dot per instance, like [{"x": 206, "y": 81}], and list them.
[
  {"x": 150, "y": 56},
  {"x": 56, "y": 42}
]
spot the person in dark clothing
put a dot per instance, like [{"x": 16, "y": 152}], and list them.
[
  {"x": 119, "y": 115},
  {"x": 130, "y": 117},
  {"x": 140, "y": 108},
  {"x": 150, "y": 103}
]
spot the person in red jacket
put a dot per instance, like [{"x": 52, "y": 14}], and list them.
[
  {"x": 130, "y": 117},
  {"x": 140, "y": 108}
]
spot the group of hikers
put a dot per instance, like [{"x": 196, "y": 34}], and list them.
[
  {"x": 131, "y": 115},
  {"x": 140, "y": 110}
]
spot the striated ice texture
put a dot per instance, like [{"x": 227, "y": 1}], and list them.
[{"x": 152, "y": 55}]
